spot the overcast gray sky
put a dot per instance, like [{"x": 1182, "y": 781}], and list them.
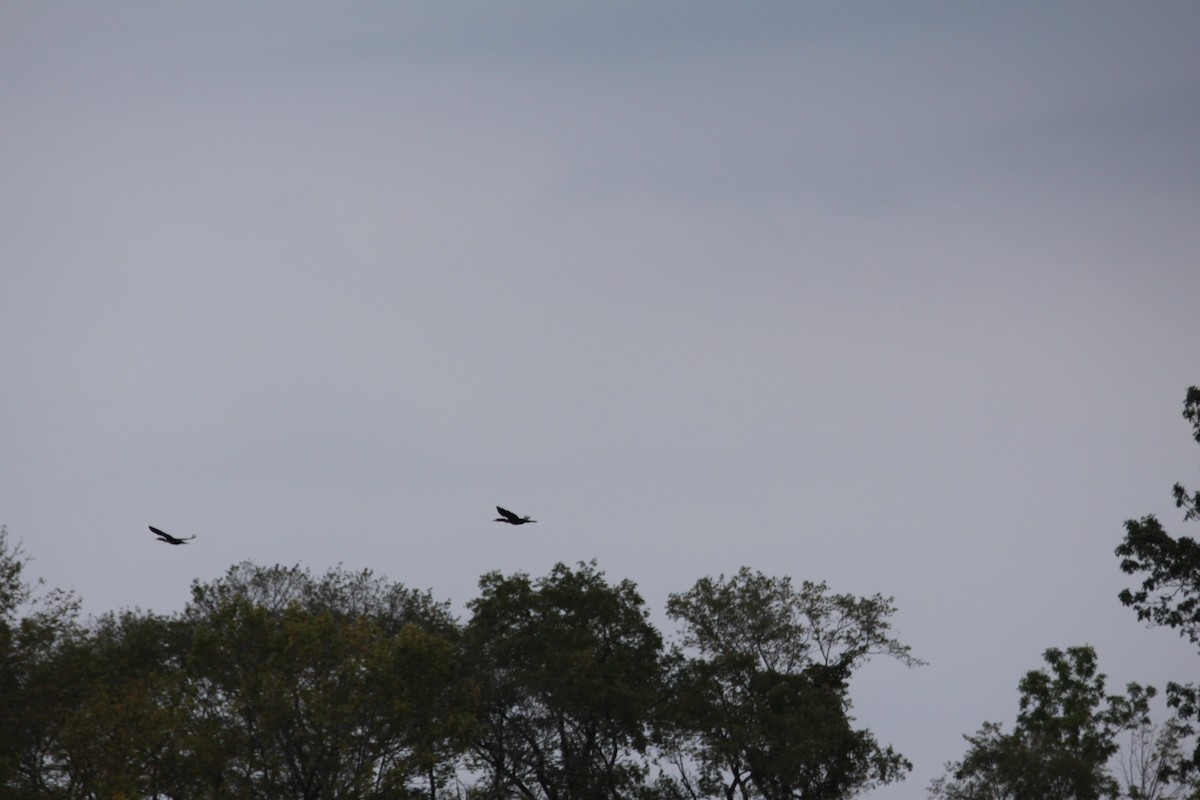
[{"x": 902, "y": 297}]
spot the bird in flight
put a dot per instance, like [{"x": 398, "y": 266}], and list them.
[
  {"x": 163, "y": 536},
  {"x": 511, "y": 518}
]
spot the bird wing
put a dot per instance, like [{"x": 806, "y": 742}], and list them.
[
  {"x": 166, "y": 537},
  {"x": 504, "y": 512}
]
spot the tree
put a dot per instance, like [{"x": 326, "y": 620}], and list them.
[
  {"x": 569, "y": 669},
  {"x": 1064, "y": 736},
  {"x": 34, "y": 629},
  {"x": 121, "y": 709},
  {"x": 1169, "y": 593},
  {"x": 304, "y": 688},
  {"x": 1150, "y": 764},
  {"x": 760, "y": 706}
]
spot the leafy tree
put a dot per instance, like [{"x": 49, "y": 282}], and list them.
[
  {"x": 569, "y": 669},
  {"x": 303, "y": 688},
  {"x": 1169, "y": 593},
  {"x": 762, "y": 709},
  {"x": 34, "y": 629},
  {"x": 120, "y": 709},
  {"x": 1064, "y": 736}
]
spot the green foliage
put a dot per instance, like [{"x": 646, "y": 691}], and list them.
[
  {"x": 120, "y": 701},
  {"x": 275, "y": 683},
  {"x": 35, "y": 630},
  {"x": 342, "y": 686},
  {"x": 762, "y": 710},
  {"x": 1169, "y": 592},
  {"x": 781, "y": 628},
  {"x": 569, "y": 670},
  {"x": 1191, "y": 412},
  {"x": 1064, "y": 737},
  {"x": 272, "y": 683}
]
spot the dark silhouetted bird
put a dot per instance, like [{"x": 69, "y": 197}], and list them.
[
  {"x": 163, "y": 536},
  {"x": 511, "y": 518}
]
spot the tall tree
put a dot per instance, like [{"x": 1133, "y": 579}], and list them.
[
  {"x": 1065, "y": 734},
  {"x": 760, "y": 691},
  {"x": 569, "y": 669},
  {"x": 1169, "y": 592},
  {"x": 319, "y": 688},
  {"x": 35, "y": 627}
]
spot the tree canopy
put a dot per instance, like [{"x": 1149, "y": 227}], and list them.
[
  {"x": 760, "y": 690},
  {"x": 568, "y": 672},
  {"x": 276, "y": 683}
]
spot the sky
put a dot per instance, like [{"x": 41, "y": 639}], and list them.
[{"x": 900, "y": 297}]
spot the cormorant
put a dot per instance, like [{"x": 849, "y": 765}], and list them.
[
  {"x": 511, "y": 518},
  {"x": 163, "y": 536}
]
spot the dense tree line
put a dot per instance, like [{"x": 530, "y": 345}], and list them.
[{"x": 275, "y": 683}]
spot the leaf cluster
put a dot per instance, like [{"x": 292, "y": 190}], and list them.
[{"x": 1169, "y": 593}]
